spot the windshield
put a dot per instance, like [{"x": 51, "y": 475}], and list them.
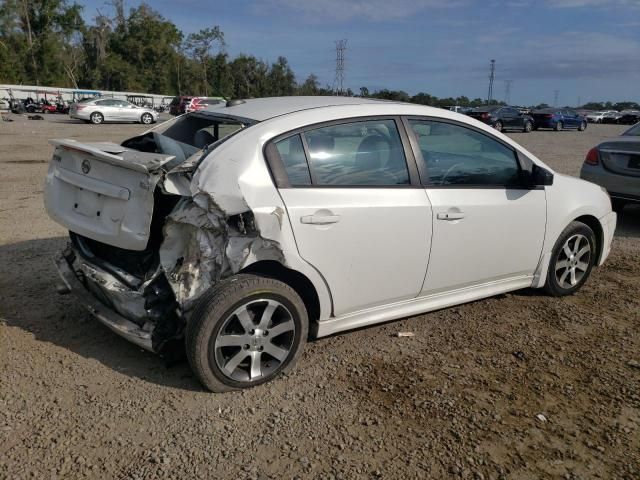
[{"x": 633, "y": 131}]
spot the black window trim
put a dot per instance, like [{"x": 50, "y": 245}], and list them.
[
  {"x": 279, "y": 173},
  {"x": 524, "y": 163}
]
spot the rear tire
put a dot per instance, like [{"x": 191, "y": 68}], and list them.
[
  {"x": 146, "y": 118},
  {"x": 559, "y": 127},
  {"x": 96, "y": 118},
  {"x": 572, "y": 260},
  {"x": 528, "y": 126},
  {"x": 498, "y": 126},
  {"x": 244, "y": 332},
  {"x": 582, "y": 127}
]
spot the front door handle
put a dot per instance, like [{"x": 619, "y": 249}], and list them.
[
  {"x": 450, "y": 215},
  {"x": 320, "y": 219}
]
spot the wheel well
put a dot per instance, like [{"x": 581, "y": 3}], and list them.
[
  {"x": 594, "y": 224},
  {"x": 296, "y": 280}
]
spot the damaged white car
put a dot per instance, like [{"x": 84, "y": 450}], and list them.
[{"x": 244, "y": 230}]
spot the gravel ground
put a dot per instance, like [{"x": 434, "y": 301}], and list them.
[{"x": 516, "y": 386}]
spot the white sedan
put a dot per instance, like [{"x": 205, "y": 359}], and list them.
[
  {"x": 254, "y": 226},
  {"x": 101, "y": 110}
]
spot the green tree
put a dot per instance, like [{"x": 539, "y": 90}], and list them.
[
  {"x": 200, "y": 45},
  {"x": 281, "y": 79}
]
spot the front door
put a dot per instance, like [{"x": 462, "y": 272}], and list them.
[
  {"x": 357, "y": 215},
  {"x": 486, "y": 226}
]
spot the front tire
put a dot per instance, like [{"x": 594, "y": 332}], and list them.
[
  {"x": 572, "y": 259},
  {"x": 96, "y": 118},
  {"x": 244, "y": 332},
  {"x": 528, "y": 126},
  {"x": 559, "y": 126},
  {"x": 146, "y": 118},
  {"x": 498, "y": 126}
]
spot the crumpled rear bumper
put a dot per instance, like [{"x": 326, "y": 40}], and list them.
[{"x": 120, "y": 325}]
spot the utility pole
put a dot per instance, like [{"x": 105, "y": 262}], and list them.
[
  {"x": 579, "y": 102},
  {"x": 507, "y": 91},
  {"x": 491, "y": 78},
  {"x": 338, "y": 83},
  {"x": 556, "y": 94}
]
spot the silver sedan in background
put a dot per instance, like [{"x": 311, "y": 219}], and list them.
[
  {"x": 102, "y": 110},
  {"x": 615, "y": 165}
]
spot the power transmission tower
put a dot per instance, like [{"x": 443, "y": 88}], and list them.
[
  {"x": 491, "y": 78},
  {"x": 556, "y": 94},
  {"x": 338, "y": 83},
  {"x": 507, "y": 91}
]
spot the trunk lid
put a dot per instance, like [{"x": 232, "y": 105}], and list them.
[
  {"x": 621, "y": 156},
  {"x": 103, "y": 191}
]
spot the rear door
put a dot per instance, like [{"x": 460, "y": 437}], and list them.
[
  {"x": 487, "y": 227},
  {"x": 358, "y": 212}
]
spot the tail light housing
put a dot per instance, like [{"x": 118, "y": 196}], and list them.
[
  {"x": 593, "y": 157},
  {"x": 484, "y": 115},
  {"x": 80, "y": 107}
]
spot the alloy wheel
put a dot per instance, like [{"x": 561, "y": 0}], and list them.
[
  {"x": 573, "y": 261},
  {"x": 254, "y": 340}
]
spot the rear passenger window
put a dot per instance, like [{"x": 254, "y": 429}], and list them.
[
  {"x": 295, "y": 163},
  {"x": 359, "y": 153},
  {"x": 455, "y": 155}
]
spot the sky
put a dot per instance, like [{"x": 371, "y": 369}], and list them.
[{"x": 586, "y": 50}]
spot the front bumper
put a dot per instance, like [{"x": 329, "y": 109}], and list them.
[{"x": 120, "y": 325}]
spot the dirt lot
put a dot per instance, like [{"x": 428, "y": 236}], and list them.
[{"x": 454, "y": 401}]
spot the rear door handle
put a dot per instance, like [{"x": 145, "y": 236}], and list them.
[
  {"x": 320, "y": 219},
  {"x": 450, "y": 215}
]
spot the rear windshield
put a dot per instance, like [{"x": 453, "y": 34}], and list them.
[
  {"x": 199, "y": 129},
  {"x": 633, "y": 131}
]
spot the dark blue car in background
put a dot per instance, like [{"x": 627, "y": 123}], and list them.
[{"x": 558, "y": 119}]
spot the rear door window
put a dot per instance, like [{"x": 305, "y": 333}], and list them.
[
  {"x": 357, "y": 154},
  {"x": 294, "y": 160}
]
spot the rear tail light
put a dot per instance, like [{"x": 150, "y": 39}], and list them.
[
  {"x": 80, "y": 107},
  {"x": 548, "y": 115},
  {"x": 592, "y": 157},
  {"x": 484, "y": 115}
]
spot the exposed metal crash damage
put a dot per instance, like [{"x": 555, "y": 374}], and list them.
[
  {"x": 203, "y": 245},
  {"x": 150, "y": 234}
]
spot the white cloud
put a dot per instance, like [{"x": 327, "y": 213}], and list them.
[{"x": 340, "y": 10}]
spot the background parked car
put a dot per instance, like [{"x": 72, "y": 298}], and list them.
[
  {"x": 558, "y": 119},
  {"x": 200, "y": 103},
  {"x": 178, "y": 105},
  {"x": 629, "y": 118},
  {"x": 615, "y": 165},
  {"x": 102, "y": 110},
  {"x": 503, "y": 118},
  {"x": 611, "y": 117},
  {"x": 599, "y": 117}
]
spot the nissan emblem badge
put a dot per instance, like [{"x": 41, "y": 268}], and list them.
[{"x": 86, "y": 166}]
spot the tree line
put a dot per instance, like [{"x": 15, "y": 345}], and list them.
[{"x": 47, "y": 42}]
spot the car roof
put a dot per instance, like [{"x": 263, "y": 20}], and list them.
[{"x": 259, "y": 109}]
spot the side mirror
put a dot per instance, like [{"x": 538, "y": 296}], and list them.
[{"x": 540, "y": 176}]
